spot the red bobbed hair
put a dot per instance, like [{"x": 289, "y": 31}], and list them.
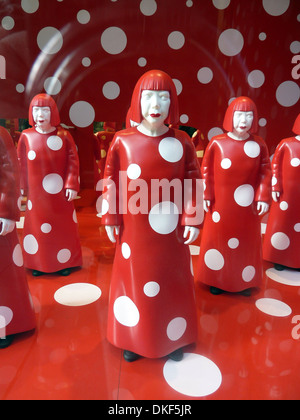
[
  {"x": 42, "y": 99},
  {"x": 154, "y": 80},
  {"x": 242, "y": 103},
  {"x": 296, "y": 127}
]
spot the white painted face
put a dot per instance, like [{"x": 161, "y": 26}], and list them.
[
  {"x": 42, "y": 116},
  {"x": 242, "y": 122},
  {"x": 155, "y": 106}
]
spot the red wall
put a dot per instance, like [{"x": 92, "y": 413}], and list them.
[{"x": 216, "y": 49}]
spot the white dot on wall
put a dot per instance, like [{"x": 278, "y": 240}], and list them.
[
  {"x": 113, "y": 40},
  {"x": 262, "y": 122},
  {"x": 205, "y": 75},
  {"x": 214, "y": 132},
  {"x": 256, "y": 78},
  {"x": 142, "y": 61},
  {"x": 50, "y": 40},
  {"x": 7, "y": 23},
  {"x": 276, "y": 7},
  {"x": 148, "y": 7},
  {"x": 221, "y": 4},
  {"x": 184, "y": 118},
  {"x": 231, "y": 42},
  {"x": 295, "y": 47},
  {"x": 83, "y": 17},
  {"x": 82, "y": 114},
  {"x": 262, "y": 36},
  {"x": 86, "y": 61},
  {"x": 288, "y": 93},
  {"x": 111, "y": 90},
  {"x": 178, "y": 86},
  {"x": 176, "y": 40},
  {"x": 52, "y": 85},
  {"x": 30, "y": 6}
]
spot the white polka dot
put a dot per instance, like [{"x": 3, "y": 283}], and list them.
[
  {"x": 274, "y": 181},
  {"x": 231, "y": 42},
  {"x": 205, "y": 75},
  {"x": 111, "y": 90},
  {"x": 233, "y": 243},
  {"x": 86, "y": 62},
  {"x": 215, "y": 131},
  {"x": 54, "y": 143},
  {"x": 77, "y": 294},
  {"x": 283, "y": 205},
  {"x": 288, "y": 93},
  {"x": 6, "y": 315},
  {"x": 214, "y": 259},
  {"x": 221, "y": 4},
  {"x": 133, "y": 171},
  {"x": 29, "y": 204},
  {"x": 176, "y": 328},
  {"x": 83, "y": 17},
  {"x": 262, "y": 122},
  {"x": 194, "y": 249},
  {"x": 148, "y": 7},
  {"x": 244, "y": 195},
  {"x": 113, "y": 40},
  {"x": 194, "y": 375},
  {"x": 295, "y": 162},
  {"x": 273, "y": 307},
  {"x": 30, "y": 6},
  {"x": 276, "y": 7},
  {"x": 49, "y": 40},
  {"x": 252, "y": 149},
  {"x": 63, "y": 255},
  {"x": 297, "y": 227},
  {"x": 75, "y": 216},
  {"x": 52, "y": 85},
  {"x": 225, "y": 163},
  {"x": 126, "y": 311},
  {"x": 82, "y": 114},
  {"x": 151, "y": 289},
  {"x": 280, "y": 241},
  {"x": 105, "y": 206},
  {"x": 170, "y": 149},
  {"x": 53, "y": 183},
  {"x": 216, "y": 217},
  {"x": 31, "y": 155},
  {"x": 20, "y": 88},
  {"x": 46, "y": 228},
  {"x": 178, "y": 86},
  {"x": 256, "y": 78},
  {"x": 184, "y": 118},
  {"x": 142, "y": 61},
  {"x": 295, "y": 47},
  {"x": 7, "y": 23},
  {"x": 176, "y": 40},
  {"x": 126, "y": 251},
  {"x": 248, "y": 273},
  {"x": 17, "y": 255},
  {"x": 163, "y": 217},
  {"x": 288, "y": 277},
  {"x": 30, "y": 244}
]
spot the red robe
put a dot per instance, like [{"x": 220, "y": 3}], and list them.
[
  {"x": 16, "y": 309},
  {"x": 152, "y": 309},
  {"x": 49, "y": 165},
  {"x": 237, "y": 174},
  {"x": 282, "y": 238}
]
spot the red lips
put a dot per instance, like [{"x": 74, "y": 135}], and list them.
[{"x": 154, "y": 115}]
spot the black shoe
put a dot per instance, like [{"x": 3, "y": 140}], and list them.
[
  {"x": 176, "y": 355},
  {"x": 246, "y": 292},
  {"x": 216, "y": 290},
  {"x": 129, "y": 356},
  {"x": 5, "y": 342},
  {"x": 37, "y": 273},
  {"x": 65, "y": 272},
  {"x": 279, "y": 267}
]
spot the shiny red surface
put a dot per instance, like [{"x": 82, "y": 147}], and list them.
[{"x": 68, "y": 356}]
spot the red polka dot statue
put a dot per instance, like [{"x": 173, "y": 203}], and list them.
[
  {"x": 152, "y": 310},
  {"x": 50, "y": 180},
  {"x": 282, "y": 238},
  {"x": 16, "y": 309},
  {"x": 237, "y": 175}
]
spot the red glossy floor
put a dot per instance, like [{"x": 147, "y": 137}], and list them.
[{"x": 247, "y": 348}]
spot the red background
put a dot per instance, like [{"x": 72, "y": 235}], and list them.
[{"x": 269, "y": 30}]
